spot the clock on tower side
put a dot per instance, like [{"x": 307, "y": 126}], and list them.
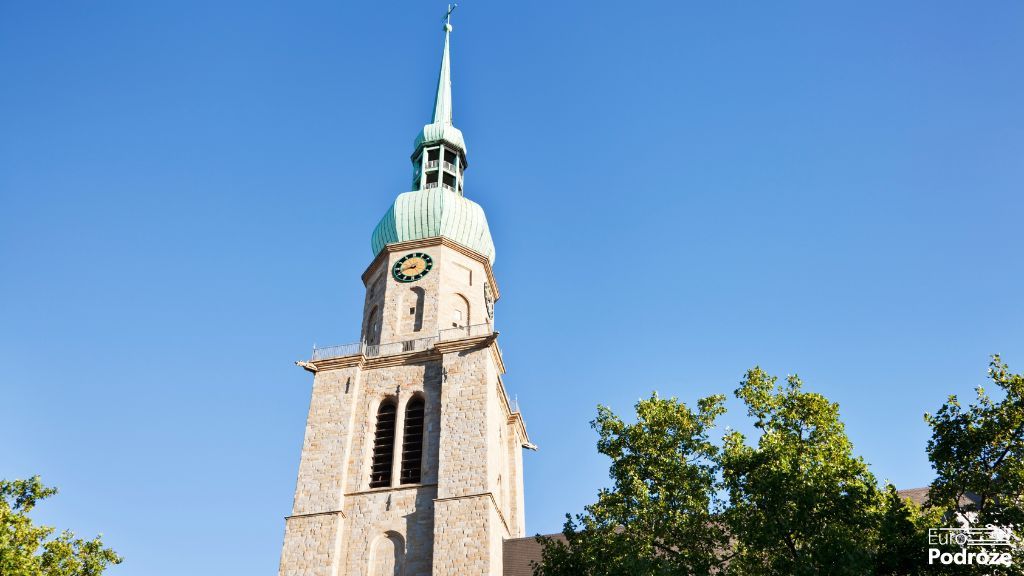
[
  {"x": 411, "y": 462},
  {"x": 428, "y": 382},
  {"x": 479, "y": 500}
]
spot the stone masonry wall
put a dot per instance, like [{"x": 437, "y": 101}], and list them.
[
  {"x": 453, "y": 275},
  {"x": 311, "y": 545},
  {"x": 321, "y": 468},
  {"x": 462, "y": 537},
  {"x": 408, "y": 512},
  {"x": 470, "y": 494}
]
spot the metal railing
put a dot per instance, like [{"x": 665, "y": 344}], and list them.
[
  {"x": 418, "y": 345},
  {"x": 336, "y": 351},
  {"x": 464, "y": 332},
  {"x": 401, "y": 347},
  {"x": 436, "y": 184}
]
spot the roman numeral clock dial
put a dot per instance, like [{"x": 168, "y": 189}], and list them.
[{"x": 412, "y": 267}]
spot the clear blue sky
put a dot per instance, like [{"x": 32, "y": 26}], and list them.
[{"x": 677, "y": 191}]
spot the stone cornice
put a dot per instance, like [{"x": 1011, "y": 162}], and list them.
[
  {"x": 513, "y": 417},
  {"x": 494, "y": 503},
  {"x": 333, "y": 363},
  {"x": 391, "y": 489},
  {"x": 435, "y": 241},
  {"x": 516, "y": 418},
  {"x": 439, "y": 349},
  {"x": 341, "y": 512},
  {"x": 370, "y": 363},
  {"x": 461, "y": 344}
]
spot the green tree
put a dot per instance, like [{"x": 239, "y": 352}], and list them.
[
  {"x": 901, "y": 537},
  {"x": 978, "y": 456},
  {"x": 795, "y": 502},
  {"x": 30, "y": 550},
  {"x": 800, "y": 502},
  {"x": 660, "y": 516}
]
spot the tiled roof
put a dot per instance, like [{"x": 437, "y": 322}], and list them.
[
  {"x": 917, "y": 495},
  {"x": 519, "y": 554}
]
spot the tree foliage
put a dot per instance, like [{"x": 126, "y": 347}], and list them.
[
  {"x": 30, "y": 550},
  {"x": 977, "y": 452},
  {"x": 664, "y": 477},
  {"x": 800, "y": 501},
  {"x": 794, "y": 500}
]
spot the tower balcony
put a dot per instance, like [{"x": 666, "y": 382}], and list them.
[
  {"x": 441, "y": 184},
  {"x": 402, "y": 346},
  {"x": 448, "y": 166}
]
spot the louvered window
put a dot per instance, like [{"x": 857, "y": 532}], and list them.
[
  {"x": 383, "y": 446},
  {"x": 412, "y": 442}
]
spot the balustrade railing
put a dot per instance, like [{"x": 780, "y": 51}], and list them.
[
  {"x": 464, "y": 332},
  {"x": 418, "y": 345},
  {"x": 432, "y": 164},
  {"x": 401, "y": 347},
  {"x": 336, "y": 351},
  {"x": 436, "y": 184},
  {"x": 451, "y": 167}
]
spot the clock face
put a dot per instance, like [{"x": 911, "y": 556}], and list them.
[{"x": 412, "y": 267}]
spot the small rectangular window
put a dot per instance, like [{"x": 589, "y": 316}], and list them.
[{"x": 412, "y": 310}]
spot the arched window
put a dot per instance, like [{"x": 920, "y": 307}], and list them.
[
  {"x": 460, "y": 311},
  {"x": 412, "y": 442},
  {"x": 373, "y": 322},
  {"x": 412, "y": 310},
  {"x": 387, "y": 557},
  {"x": 383, "y": 445}
]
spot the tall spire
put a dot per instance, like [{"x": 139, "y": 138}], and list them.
[
  {"x": 443, "y": 98},
  {"x": 439, "y": 159}
]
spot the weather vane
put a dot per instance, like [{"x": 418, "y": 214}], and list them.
[{"x": 448, "y": 16}]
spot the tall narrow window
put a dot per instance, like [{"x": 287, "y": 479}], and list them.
[
  {"x": 412, "y": 442},
  {"x": 383, "y": 445},
  {"x": 373, "y": 323}
]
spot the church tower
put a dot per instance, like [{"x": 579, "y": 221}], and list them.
[{"x": 412, "y": 458}]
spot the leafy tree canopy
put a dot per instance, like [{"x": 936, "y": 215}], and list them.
[
  {"x": 978, "y": 452},
  {"x": 664, "y": 493},
  {"x": 795, "y": 500},
  {"x": 30, "y": 550}
]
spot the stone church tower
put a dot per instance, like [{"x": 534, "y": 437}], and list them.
[{"x": 412, "y": 458}]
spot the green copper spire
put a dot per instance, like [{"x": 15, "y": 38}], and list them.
[
  {"x": 443, "y": 98},
  {"x": 436, "y": 206},
  {"x": 441, "y": 129}
]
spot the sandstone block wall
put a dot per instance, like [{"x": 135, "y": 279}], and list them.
[
  {"x": 454, "y": 275},
  {"x": 311, "y": 545}
]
